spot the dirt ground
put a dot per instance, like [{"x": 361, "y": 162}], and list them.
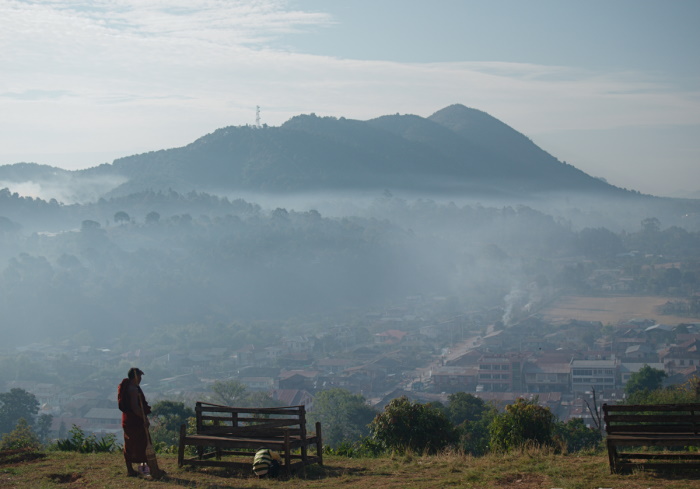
[{"x": 610, "y": 310}]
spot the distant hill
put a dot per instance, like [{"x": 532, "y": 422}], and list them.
[
  {"x": 456, "y": 151},
  {"x": 20, "y": 172}
]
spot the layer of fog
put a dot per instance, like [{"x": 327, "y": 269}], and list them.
[
  {"x": 194, "y": 258},
  {"x": 578, "y": 210},
  {"x": 66, "y": 188}
]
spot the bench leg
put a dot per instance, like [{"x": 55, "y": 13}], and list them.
[
  {"x": 319, "y": 443},
  {"x": 287, "y": 455},
  {"x": 612, "y": 457}
]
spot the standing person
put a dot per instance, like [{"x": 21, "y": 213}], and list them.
[{"x": 135, "y": 411}]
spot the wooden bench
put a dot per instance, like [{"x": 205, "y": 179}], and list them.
[
  {"x": 665, "y": 426},
  {"x": 239, "y": 432}
]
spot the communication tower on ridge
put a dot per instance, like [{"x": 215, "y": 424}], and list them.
[{"x": 257, "y": 116}]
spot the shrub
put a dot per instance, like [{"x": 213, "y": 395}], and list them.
[
  {"x": 405, "y": 425},
  {"x": 522, "y": 422},
  {"x": 365, "y": 447},
  {"x": 576, "y": 436},
  {"x": 675, "y": 394},
  {"x": 343, "y": 415},
  {"x": 647, "y": 379},
  {"x": 78, "y": 442},
  {"x": 474, "y": 436},
  {"x": 21, "y": 438}
]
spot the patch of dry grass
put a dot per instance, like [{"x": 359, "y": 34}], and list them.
[
  {"x": 609, "y": 309},
  {"x": 527, "y": 469}
]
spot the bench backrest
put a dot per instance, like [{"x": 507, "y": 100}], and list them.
[
  {"x": 215, "y": 419},
  {"x": 653, "y": 418}
]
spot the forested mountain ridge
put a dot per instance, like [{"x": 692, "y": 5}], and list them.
[{"x": 457, "y": 151}]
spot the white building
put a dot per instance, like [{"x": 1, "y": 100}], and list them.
[{"x": 593, "y": 374}]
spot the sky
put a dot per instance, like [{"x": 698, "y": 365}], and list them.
[{"x": 610, "y": 86}]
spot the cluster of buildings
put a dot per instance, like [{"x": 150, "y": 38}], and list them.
[
  {"x": 393, "y": 355},
  {"x": 513, "y": 363}
]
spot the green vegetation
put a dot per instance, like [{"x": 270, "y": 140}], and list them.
[
  {"x": 647, "y": 379},
  {"x": 166, "y": 418},
  {"x": 411, "y": 445},
  {"x": 82, "y": 443},
  {"x": 344, "y": 416},
  {"x": 522, "y": 423},
  {"x": 21, "y": 438},
  {"x": 15, "y": 405},
  {"x": 526, "y": 469},
  {"x": 410, "y": 426},
  {"x": 675, "y": 394}
]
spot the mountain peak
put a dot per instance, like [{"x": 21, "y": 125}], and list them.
[
  {"x": 461, "y": 119},
  {"x": 457, "y": 151}
]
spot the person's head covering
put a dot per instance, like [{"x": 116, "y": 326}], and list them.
[{"x": 135, "y": 372}]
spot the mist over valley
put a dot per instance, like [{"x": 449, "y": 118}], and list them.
[{"x": 332, "y": 229}]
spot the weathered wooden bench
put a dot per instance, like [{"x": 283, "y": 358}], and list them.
[
  {"x": 674, "y": 428},
  {"x": 234, "y": 433}
]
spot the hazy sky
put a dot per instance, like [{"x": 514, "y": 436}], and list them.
[{"x": 610, "y": 86}]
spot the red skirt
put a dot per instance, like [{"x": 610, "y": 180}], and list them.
[{"x": 134, "y": 438}]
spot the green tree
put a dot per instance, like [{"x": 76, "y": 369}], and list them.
[
  {"x": 465, "y": 407},
  {"x": 676, "y": 394},
  {"x": 472, "y": 417},
  {"x": 22, "y": 437},
  {"x": 647, "y": 378},
  {"x": 522, "y": 422},
  {"x": 406, "y": 425},
  {"x": 171, "y": 414},
  {"x": 89, "y": 225},
  {"x": 121, "y": 216},
  {"x": 152, "y": 217},
  {"x": 228, "y": 391},
  {"x": 474, "y": 436},
  {"x": 577, "y": 436},
  {"x": 168, "y": 416},
  {"x": 344, "y": 416},
  {"x": 15, "y": 405}
]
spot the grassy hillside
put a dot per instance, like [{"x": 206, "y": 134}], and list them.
[{"x": 528, "y": 470}]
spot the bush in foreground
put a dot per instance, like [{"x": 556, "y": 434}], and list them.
[{"x": 411, "y": 426}]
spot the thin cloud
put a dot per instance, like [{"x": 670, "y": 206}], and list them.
[
  {"x": 36, "y": 94},
  {"x": 139, "y": 75}
]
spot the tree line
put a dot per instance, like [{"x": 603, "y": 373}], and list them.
[{"x": 352, "y": 428}]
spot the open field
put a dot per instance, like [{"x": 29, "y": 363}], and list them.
[
  {"x": 531, "y": 469},
  {"x": 612, "y": 309}
]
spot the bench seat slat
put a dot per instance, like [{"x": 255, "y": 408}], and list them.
[
  {"x": 268, "y": 423},
  {"x": 631, "y": 408},
  {"x": 661, "y": 441},
  {"x": 680, "y": 466},
  {"x": 658, "y": 456},
  {"x": 282, "y": 411},
  {"x": 246, "y": 431},
  {"x": 651, "y": 428},
  {"x": 653, "y": 418},
  {"x": 220, "y": 442}
]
